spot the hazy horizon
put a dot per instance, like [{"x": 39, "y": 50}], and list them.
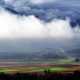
[{"x": 40, "y": 26}]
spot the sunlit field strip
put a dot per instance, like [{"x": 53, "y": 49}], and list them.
[{"x": 37, "y": 69}]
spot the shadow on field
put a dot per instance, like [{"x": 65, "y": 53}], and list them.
[{"x": 47, "y": 75}]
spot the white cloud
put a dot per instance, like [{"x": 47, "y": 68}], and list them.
[
  {"x": 9, "y": 1},
  {"x": 32, "y": 1},
  {"x": 12, "y": 26},
  {"x": 60, "y": 28},
  {"x": 41, "y": 1}
]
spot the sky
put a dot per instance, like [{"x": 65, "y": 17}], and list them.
[
  {"x": 30, "y": 25},
  {"x": 29, "y": 19}
]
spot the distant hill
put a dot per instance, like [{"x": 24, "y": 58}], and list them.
[{"x": 43, "y": 54}]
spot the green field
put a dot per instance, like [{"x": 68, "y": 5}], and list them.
[
  {"x": 31, "y": 69},
  {"x": 38, "y": 66}
]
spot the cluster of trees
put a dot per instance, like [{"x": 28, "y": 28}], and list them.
[{"x": 47, "y": 75}]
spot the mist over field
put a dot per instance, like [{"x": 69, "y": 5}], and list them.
[{"x": 39, "y": 28}]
